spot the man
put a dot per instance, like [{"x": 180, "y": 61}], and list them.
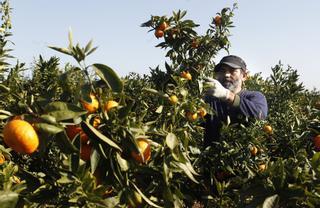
[{"x": 228, "y": 99}]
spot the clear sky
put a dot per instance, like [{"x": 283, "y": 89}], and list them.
[{"x": 265, "y": 32}]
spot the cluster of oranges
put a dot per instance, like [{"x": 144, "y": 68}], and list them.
[
  {"x": 144, "y": 154},
  {"x": 160, "y": 30}
]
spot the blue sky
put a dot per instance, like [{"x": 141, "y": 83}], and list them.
[{"x": 265, "y": 32}]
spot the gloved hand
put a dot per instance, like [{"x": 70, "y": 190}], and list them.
[{"x": 215, "y": 89}]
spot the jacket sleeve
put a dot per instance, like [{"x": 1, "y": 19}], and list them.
[{"x": 253, "y": 104}]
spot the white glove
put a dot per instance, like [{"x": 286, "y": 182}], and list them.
[{"x": 213, "y": 88}]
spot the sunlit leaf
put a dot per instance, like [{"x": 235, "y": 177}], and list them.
[
  {"x": 109, "y": 76},
  {"x": 91, "y": 131},
  {"x": 171, "y": 140}
]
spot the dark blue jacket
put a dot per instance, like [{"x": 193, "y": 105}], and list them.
[{"x": 247, "y": 104}]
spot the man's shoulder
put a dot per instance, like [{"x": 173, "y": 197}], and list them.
[{"x": 249, "y": 93}]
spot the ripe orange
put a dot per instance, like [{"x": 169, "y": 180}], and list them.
[
  {"x": 262, "y": 167},
  {"x": 191, "y": 116},
  {"x": 73, "y": 130},
  {"x": 173, "y": 99},
  {"x": 91, "y": 107},
  {"x": 267, "y": 129},
  {"x": 96, "y": 122},
  {"x": 254, "y": 151},
  {"x": 202, "y": 112},
  {"x": 159, "y": 33},
  {"x": 110, "y": 104},
  {"x": 186, "y": 75},
  {"x": 21, "y": 136},
  {"x": 218, "y": 20},
  {"x": 85, "y": 152},
  {"x": 144, "y": 154},
  {"x": 2, "y": 159},
  {"x": 316, "y": 142},
  {"x": 163, "y": 26}
]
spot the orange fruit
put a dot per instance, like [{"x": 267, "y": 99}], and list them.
[
  {"x": 316, "y": 142},
  {"x": 91, "y": 107},
  {"x": 163, "y": 26},
  {"x": 144, "y": 154},
  {"x": 173, "y": 99},
  {"x": 186, "y": 75},
  {"x": 254, "y": 151},
  {"x": 218, "y": 20},
  {"x": 202, "y": 112},
  {"x": 73, "y": 130},
  {"x": 267, "y": 129},
  {"x": 21, "y": 136},
  {"x": 2, "y": 159},
  {"x": 262, "y": 167},
  {"x": 191, "y": 116},
  {"x": 85, "y": 152},
  {"x": 83, "y": 137},
  {"x": 159, "y": 33},
  {"x": 96, "y": 122},
  {"x": 110, "y": 104}
]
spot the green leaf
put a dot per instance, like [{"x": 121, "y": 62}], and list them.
[
  {"x": 271, "y": 202},
  {"x": 109, "y": 76},
  {"x": 124, "y": 112},
  {"x": 122, "y": 163},
  {"x": 315, "y": 163},
  {"x": 88, "y": 46},
  {"x": 75, "y": 157},
  {"x": 65, "y": 144},
  {"x": 85, "y": 93},
  {"x": 4, "y": 89},
  {"x": 94, "y": 133},
  {"x": 70, "y": 37},
  {"x": 61, "y": 50},
  {"x": 151, "y": 203},
  {"x": 159, "y": 109},
  {"x": 171, "y": 140},
  {"x": 48, "y": 128},
  {"x": 91, "y": 51},
  {"x": 8, "y": 199},
  {"x": 186, "y": 170},
  {"x": 63, "y": 111},
  {"x": 167, "y": 174},
  {"x": 5, "y": 112},
  {"x": 151, "y": 90},
  {"x": 49, "y": 119},
  {"x": 94, "y": 160}
]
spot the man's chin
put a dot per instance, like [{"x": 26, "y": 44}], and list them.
[{"x": 228, "y": 85}]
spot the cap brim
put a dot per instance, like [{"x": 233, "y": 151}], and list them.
[{"x": 232, "y": 65}]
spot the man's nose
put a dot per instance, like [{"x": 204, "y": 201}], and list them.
[{"x": 227, "y": 74}]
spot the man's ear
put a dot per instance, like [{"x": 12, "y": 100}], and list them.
[{"x": 245, "y": 75}]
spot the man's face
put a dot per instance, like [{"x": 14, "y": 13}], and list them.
[{"x": 231, "y": 78}]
